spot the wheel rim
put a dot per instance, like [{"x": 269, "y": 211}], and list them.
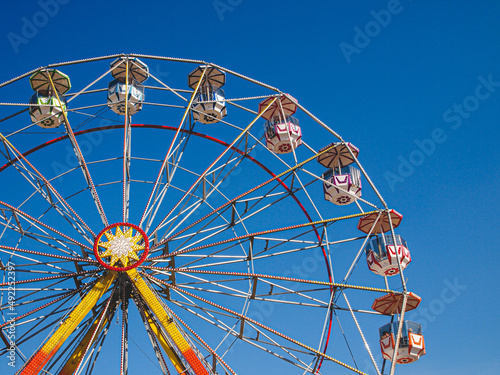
[{"x": 156, "y": 262}]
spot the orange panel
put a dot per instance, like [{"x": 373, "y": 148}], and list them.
[{"x": 50, "y": 348}]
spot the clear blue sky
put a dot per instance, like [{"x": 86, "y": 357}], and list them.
[{"x": 407, "y": 82}]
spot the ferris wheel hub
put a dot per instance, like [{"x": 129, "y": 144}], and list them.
[{"x": 122, "y": 250}]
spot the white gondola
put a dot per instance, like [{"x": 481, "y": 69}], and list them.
[
  {"x": 283, "y": 136},
  {"x": 381, "y": 254},
  {"x": 343, "y": 185},
  {"x": 120, "y": 93},
  {"x": 209, "y": 105},
  {"x": 411, "y": 343},
  {"x": 49, "y": 111},
  {"x": 131, "y": 91},
  {"x": 282, "y": 131}
]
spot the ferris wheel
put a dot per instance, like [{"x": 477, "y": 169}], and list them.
[{"x": 151, "y": 221}]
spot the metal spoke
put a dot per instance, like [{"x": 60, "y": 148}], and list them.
[
  {"x": 68, "y": 213},
  {"x": 245, "y": 250},
  {"x": 263, "y": 233},
  {"x": 168, "y": 154},
  {"x": 81, "y": 159},
  {"x": 127, "y": 143},
  {"x": 274, "y": 178},
  {"x": 32, "y": 220},
  {"x": 159, "y": 226},
  {"x": 246, "y": 318}
]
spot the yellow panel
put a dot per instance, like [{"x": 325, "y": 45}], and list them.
[
  {"x": 166, "y": 322},
  {"x": 49, "y": 349},
  {"x": 70, "y": 366},
  {"x": 171, "y": 354}
]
